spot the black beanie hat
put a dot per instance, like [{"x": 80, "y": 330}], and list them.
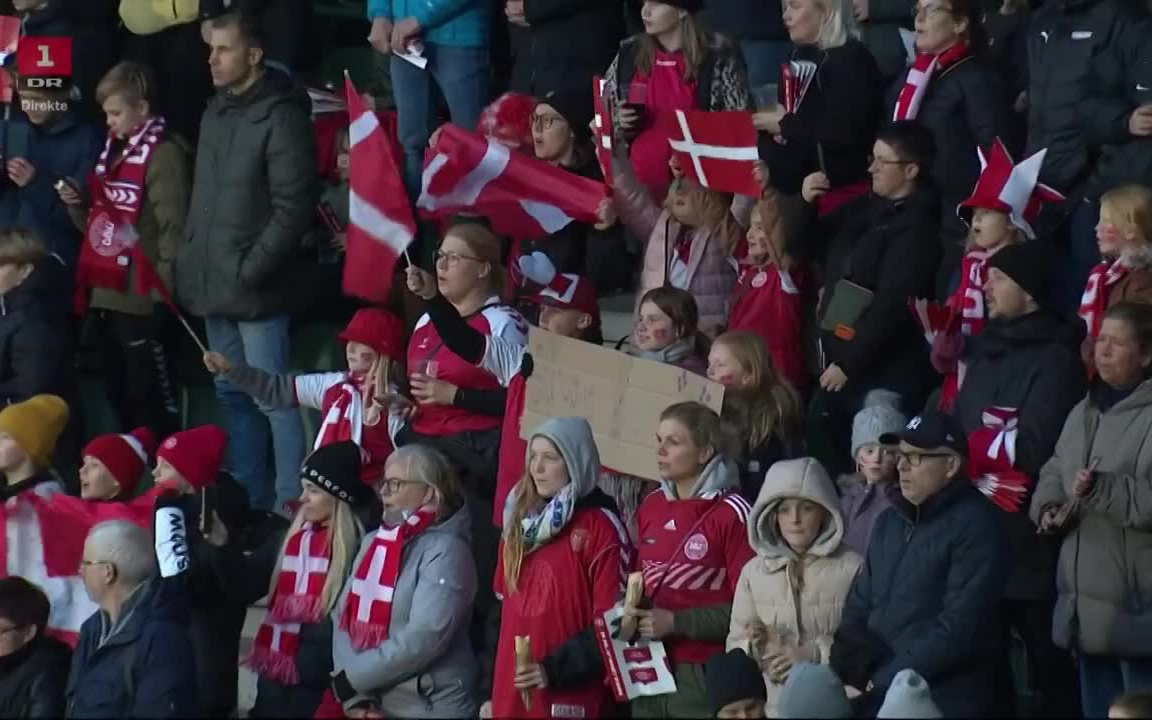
[
  {"x": 692, "y": 6},
  {"x": 335, "y": 469},
  {"x": 575, "y": 105},
  {"x": 1029, "y": 264},
  {"x": 730, "y": 677}
]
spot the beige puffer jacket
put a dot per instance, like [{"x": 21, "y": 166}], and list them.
[{"x": 767, "y": 592}]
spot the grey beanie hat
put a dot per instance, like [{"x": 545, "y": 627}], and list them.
[
  {"x": 812, "y": 690},
  {"x": 872, "y": 422},
  {"x": 909, "y": 697}
]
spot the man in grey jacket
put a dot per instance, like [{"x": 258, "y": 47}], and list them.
[{"x": 252, "y": 200}]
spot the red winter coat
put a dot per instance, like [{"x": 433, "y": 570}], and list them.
[{"x": 770, "y": 302}]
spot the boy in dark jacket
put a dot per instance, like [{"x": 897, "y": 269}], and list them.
[{"x": 33, "y": 667}]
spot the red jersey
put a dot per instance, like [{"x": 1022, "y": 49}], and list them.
[
  {"x": 770, "y": 302},
  {"x": 692, "y": 552},
  {"x": 321, "y": 391},
  {"x": 562, "y": 586},
  {"x": 494, "y": 320}
]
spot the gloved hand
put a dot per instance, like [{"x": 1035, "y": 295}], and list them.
[
  {"x": 946, "y": 350},
  {"x": 171, "y": 521}
]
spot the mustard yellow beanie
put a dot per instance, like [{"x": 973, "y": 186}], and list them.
[{"x": 35, "y": 425}]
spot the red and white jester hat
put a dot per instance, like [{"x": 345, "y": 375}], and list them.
[
  {"x": 1009, "y": 188},
  {"x": 564, "y": 291}
]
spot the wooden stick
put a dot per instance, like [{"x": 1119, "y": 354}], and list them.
[{"x": 191, "y": 332}]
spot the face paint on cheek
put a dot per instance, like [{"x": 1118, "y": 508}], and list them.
[
  {"x": 661, "y": 335},
  {"x": 728, "y": 380}
]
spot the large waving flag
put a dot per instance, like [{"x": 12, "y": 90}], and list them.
[
  {"x": 381, "y": 226},
  {"x": 718, "y": 149},
  {"x": 523, "y": 197}
]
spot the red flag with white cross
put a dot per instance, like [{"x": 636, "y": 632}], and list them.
[{"x": 718, "y": 149}]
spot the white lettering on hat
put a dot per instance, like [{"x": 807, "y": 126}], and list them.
[{"x": 914, "y": 423}]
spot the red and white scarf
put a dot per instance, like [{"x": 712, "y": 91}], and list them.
[
  {"x": 344, "y": 418},
  {"x": 117, "y": 189},
  {"x": 295, "y": 600},
  {"x": 368, "y": 610},
  {"x": 920, "y": 74},
  {"x": 968, "y": 302},
  {"x": 1094, "y": 301}
]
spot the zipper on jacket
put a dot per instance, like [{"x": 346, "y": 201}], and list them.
[{"x": 912, "y": 530}]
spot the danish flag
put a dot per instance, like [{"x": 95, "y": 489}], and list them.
[
  {"x": 603, "y": 129},
  {"x": 718, "y": 149},
  {"x": 381, "y": 226}
]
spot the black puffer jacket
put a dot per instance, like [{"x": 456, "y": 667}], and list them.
[
  {"x": 33, "y": 679},
  {"x": 926, "y": 599},
  {"x": 564, "y": 39},
  {"x": 253, "y": 198},
  {"x": 1033, "y": 364},
  {"x": 1065, "y": 37},
  {"x": 35, "y": 344},
  {"x": 1121, "y": 82},
  {"x": 839, "y": 113}
]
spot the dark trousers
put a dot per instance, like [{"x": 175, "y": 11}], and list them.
[
  {"x": 137, "y": 372},
  {"x": 1051, "y": 676}
]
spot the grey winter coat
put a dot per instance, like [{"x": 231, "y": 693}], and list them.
[
  {"x": 253, "y": 198},
  {"x": 425, "y": 667},
  {"x": 1104, "y": 577}
]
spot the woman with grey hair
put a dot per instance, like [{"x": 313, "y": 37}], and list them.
[
  {"x": 829, "y": 128},
  {"x": 400, "y": 627}
]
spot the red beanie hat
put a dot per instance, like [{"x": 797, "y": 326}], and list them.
[
  {"x": 196, "y": 453},
  {"x": 124, "y": 455},
  {"x": 378, "y": 329}
]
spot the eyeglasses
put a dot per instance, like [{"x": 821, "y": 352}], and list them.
[
  {"x": 452, "y": 259},
  {"x": 927, "y": 10},
  {"x": 915, "y": 458},
  {"x": 391, "y": 486},
  {"x": 544, "y": 122}
]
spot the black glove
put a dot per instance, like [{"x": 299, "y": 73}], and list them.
[
  {"x": 341, "y": 688},
  {"x": 173, "y": 513},
  {"x": 527, "y": 364}
]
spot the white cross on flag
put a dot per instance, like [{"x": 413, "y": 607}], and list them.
[
  {"x": 718, "y": 149},
  {"x": 602, "y": 134},
  {"x": 380, "y": 226}
]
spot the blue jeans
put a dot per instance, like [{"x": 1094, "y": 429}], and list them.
[
  {"x": 764, "y": 58},
  {"x": 1103, "y": 678},
  {"x": 462, "y": 76},
  {"x": 1078, "y": 258},
  {"x": 261, "y": 344}
]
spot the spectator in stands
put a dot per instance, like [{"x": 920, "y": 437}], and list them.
[
  {"x": 563, "y": 554},
  {"x": 1024, "y": 370},
  {"x": 1124, "y": 237},
  {"x": 734, "y": 686},
  {"x": 47, "y": 144},
  {"x": 789, "y": 597},
  {"x": 134, "y": 657},
  {"x": 667, "y": 330},
  {"x": 950, "y": 90},
  {"x": 325, "y": 533},
  {"x": 813, "y": 690},
  {"x": 406, "y": 653},
  {"x": 883, "y": 25},
  {"x": 28, "y": 434},
  {"x": 673, "y": 65},
  {"x": 114, "y": 464},
  {"x": 35, "y": 340},
  {"x": 832, "y": 129},
  {"x": 909, "y": 697},
  {"x": 690, "y": 237},
  {"x": 554, "y": 41},
  {"x": 252, "y": 200},
  {"x": 453, "y": 37},
  {"x": 868, "y": 492},
  {"x": 879, "y": 246},
  {"x": 927, "y": 594},
  {"x": 33, "y": 666},
  {"x": 284, "y": 25},
  {"x": 1065, "y": 116},
  {"x": 760, "y": 405},
  {"x": 1094, "y": 491},
  {"x": 143, "y": 155},
  {"x": 759, "y": 30}
]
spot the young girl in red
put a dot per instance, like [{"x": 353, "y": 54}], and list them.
[{"x": 563, "y": 560}]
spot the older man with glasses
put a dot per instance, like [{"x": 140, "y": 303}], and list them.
[
  {"x": 134, "y": 656},
  {"x": 927, "y": 595}
]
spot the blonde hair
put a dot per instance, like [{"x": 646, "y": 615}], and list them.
[
  {"x": 132, "y": 82},
  {"x": 694, "y": 49},
  {"x": 839, "y": 25},
  {"x": 770, "y": 405},
  {"x": 425, "y": 464},
  {"x": 1129, "y": 208},
  {"x": 704, "y": 425},
  {"x": 527, "y": 500},
  {"x": 767, "y": 211},
  {"x": 21, "y": 246},
  {"x": 715, "y": 211},
  {"x": 484, "y": 244},
  {"x": 344, "y": 532}
]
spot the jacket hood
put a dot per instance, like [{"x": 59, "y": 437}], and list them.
[
  {"x": 803, "y": 478},
  {"x": 458, "y": 524},
  {"x": 718, "y": 475},
  {"x": 273, "y": 87},
  {"x": 1039, "y": 328},
  {"x": 572, "y": 436}
]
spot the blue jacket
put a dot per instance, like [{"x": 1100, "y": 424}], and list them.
[
  {"x": 144, "y": 669},
  {"x": 67, "y": 148},
  {"x": 927, "y": 595},
  {"x": 459, "y": 23}
]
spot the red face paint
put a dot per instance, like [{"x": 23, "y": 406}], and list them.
[{"x": 661, "y": 335}]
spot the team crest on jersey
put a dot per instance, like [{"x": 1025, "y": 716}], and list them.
[
  {"x": 578, "y": 539},
  {"x": 759, "y": 279},
  {"x": 696, "y": 547}
]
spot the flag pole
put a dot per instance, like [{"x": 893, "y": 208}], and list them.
[{"x": 191, "y": 332}]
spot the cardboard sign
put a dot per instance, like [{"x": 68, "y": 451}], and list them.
[{"x": 620, "y": 396}]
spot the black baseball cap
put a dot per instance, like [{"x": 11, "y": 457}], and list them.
[{"x": 931, "y": 429}]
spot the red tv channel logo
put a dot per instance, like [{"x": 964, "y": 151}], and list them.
[{"x": 44, "y": 63}]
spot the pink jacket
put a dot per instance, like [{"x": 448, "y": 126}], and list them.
[{"x": 710, "y": 274}]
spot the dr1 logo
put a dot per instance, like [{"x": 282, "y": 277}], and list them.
[{"x": 45, "y": 64}]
